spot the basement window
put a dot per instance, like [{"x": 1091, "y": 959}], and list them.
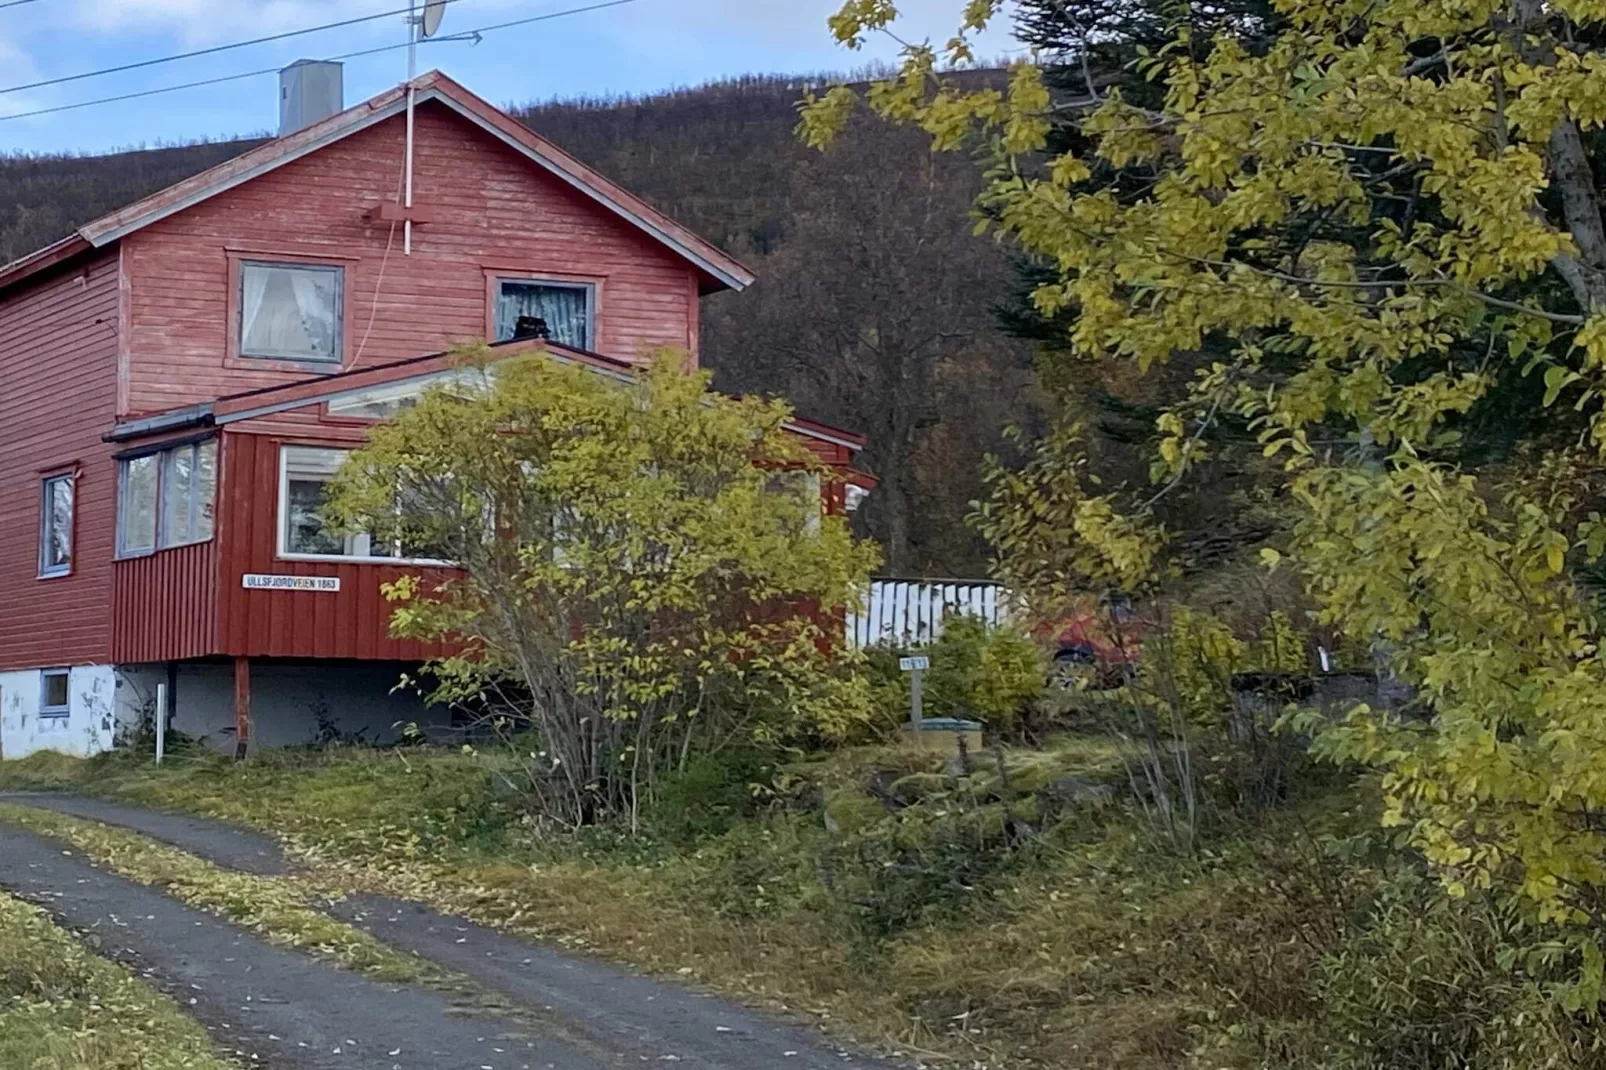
[
  {"x": 54, "y": 693},
  {"x": 291, "y": 311},
  {"x": 566, "y": 311},
  {"x": 167, "y": 498}
]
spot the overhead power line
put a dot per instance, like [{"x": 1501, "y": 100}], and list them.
[
  {"x": 16, "y": 3},
  {"x": 465, "y": 35},
  {"x": 81, "y": 75}
]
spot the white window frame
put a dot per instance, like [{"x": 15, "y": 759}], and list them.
[
  {"x": 337, "y": 356},
  {"x": 48, "y": 571},
  {"x": 359, "y": 544},
  {"x": 61, "y": 712},
  {"x": 160, "y": 458},
  {"x": 590, "y": 289}
]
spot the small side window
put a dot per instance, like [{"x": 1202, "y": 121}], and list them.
[
  {"x": 55, "y": 526},
  {"x": 54, "y": 699}
]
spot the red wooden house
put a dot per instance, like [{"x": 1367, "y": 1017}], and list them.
[{"x": 178, "y": 377}]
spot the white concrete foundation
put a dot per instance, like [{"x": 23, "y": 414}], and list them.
[
  {"x": 292, "y": 703},
  {"x": 89, "y": 727}
]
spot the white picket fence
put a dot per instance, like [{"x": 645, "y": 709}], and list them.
[{"x": 909, "y": 613}]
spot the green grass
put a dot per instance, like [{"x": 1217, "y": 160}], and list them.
[
  {"x": 63, "y": 1008},
  {"x": 1090, "y": 948}
]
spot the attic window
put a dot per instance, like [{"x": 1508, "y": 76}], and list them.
[
  {"x": 291, "y": 311},
  {"x": 566, "y": 308}
]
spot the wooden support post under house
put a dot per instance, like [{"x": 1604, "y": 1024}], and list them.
[{"x": 242, "y": 708}]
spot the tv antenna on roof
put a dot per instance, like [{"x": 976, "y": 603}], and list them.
[{"x": 419, "y": 25}]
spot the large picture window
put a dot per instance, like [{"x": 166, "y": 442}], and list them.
[
  {"x": 291, "y": 311},
  {"x": 167, "y": 499},
  {"x": 564, "y": 310},
  {"x": 305, "y": 472},
  {"x": 55, "y": 526}
]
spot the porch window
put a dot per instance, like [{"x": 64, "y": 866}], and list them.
[
  {"x": 55, "y": 526},
  {"x": 54, "y": 694},
  {"x": 291, "y": 311},
  {"x": 167, "y": 498},
  {"x": 566, "y": 309},
  {"x": 305, "y": 472},
  {"x": 804, "y": 488}
]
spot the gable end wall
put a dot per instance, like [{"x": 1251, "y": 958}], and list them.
[{"x": 492, "y": 211}]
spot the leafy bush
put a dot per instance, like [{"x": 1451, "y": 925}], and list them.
[
  {"x": 1427, "y": 982},
  {"x": 708, "y": 795},
  {"x": 634, "y": 570},
  {"x": 989, "y": 673}
]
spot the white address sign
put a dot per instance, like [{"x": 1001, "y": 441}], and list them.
[{"x": 255, "y": 581}]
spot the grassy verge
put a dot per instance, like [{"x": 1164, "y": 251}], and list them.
[
  {"x": 912, "y": 928},
  {"x": 63, "y": 1008}
]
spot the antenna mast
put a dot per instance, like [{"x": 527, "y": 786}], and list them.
[{"x": 413, "y": 23}]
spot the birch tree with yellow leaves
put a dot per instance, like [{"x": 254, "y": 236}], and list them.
[{"x": 1374, "y": 215}]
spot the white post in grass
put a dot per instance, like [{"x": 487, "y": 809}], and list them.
[
  {"x": 916, "y": 667},
  {"x": 161, "y": 722}
]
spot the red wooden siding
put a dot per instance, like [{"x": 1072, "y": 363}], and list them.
[
  {"x": 492, "y": 211},
  {"x": 191, "y": 601},
  {"x": 165, "y": 605},
  {"x": 351, "y": 623},
  {"x": 58, "y": 382}
]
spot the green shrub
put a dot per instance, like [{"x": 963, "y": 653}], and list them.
[
  {"x": 708, "y": 795},
  {"x": 992, "y": 674},
  {"x": 1422, "y": 981}
]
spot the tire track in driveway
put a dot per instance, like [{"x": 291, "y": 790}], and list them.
[
  {"x": 275, "y": 1008},
  {"x": 600, "y": 1008}
]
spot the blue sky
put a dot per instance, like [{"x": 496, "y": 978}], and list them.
[{"x": 646, "y": 46}]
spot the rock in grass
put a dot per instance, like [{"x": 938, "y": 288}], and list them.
[
  {"x": 917, "y": 787},
  {"x": 1073, "y": 791},
  {"x": 850, "y": 811}
]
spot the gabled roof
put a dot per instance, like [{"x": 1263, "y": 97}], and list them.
[
  {"x": 267, "y": 400},
  {"x": 718, "y": 269}
]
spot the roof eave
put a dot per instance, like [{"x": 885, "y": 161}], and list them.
[
  {"x": 268, "y": 400},
  {"x": 43, "y": 259},
  {"x": 713, "y": 265},
  {"x": 184, "y": 419}
]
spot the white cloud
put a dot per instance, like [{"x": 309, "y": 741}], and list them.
[{"x": 19, "y": 69}]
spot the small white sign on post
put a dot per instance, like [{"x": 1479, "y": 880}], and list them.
[
  {"x": 255, "y": 581},
  {"x": 916, "y": 665}
]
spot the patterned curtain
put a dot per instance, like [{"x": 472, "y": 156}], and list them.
[{"x": 565, "y": 309}]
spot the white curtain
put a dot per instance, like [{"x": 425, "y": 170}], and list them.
[
  {"x": 564, "y": 308},
  {"x": 254, "y": 282},
  {"x": 315, "y": 308}
]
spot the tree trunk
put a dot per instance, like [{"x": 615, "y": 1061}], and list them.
[{"x": 895, "y": 515}]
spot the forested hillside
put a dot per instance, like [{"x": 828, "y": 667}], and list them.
[{"x": 874, "y": 309}]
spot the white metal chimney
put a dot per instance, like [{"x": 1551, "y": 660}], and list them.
[{"x": 310, "y": 90}]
